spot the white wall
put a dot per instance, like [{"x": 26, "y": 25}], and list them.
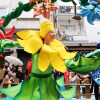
[
  {"x": 25, "y": 20},
  {"x": 91, "y": 31},
  {"x": 59, "y": 2},
  {"x": 88, "y": 31}
]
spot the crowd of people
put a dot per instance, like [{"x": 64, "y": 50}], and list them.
[
  {"x": 12, "y": 72},
  {"x": 72, "y": 77}
]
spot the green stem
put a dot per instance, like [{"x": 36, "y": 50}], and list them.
[
  {"x": 84, "y": 2},
  {"x": 16, "y": 13}
]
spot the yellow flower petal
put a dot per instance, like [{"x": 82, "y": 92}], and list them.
[
  {"x": 28, "y": 33},
  {"x": 34, "y": 44},
  {"x": 24, "y": 43},
  {"x": 24, "y": 34},
  {"x": 56, "y": 43},
  {"x": 31, "y": 45},
  {"x": 70, "y": 55},
  {"x": 31, "y": 42},
  {"x": 27, "y": 49},
  {"x": 64, "y": 54},
  {"x": 37, "y": 34},
  {"x": 44, "y": 58},
  {"x": 57, "y": 62}
]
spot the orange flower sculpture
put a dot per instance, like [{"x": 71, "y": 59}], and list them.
[
  {"x": 39, "y": 9},
  {"x": 30, "y": 1}
]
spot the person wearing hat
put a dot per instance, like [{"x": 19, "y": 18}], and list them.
[{"x": 46, "y": 52}]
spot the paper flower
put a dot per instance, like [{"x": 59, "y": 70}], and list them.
[
  {"x": 84, "y": 64},
  {"x": 1, "y": 22},
  {"x": 44, "y": 11},
  {"x": 30, "y": 1},
  {"x": 92, "y": 11},
  {"x": 8, "y": 35},
  {"x": 94, "y": 2}
]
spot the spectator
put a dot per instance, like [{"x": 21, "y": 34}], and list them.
[
  {"x": 13, "y": 73},
  {"x": 96, "y": 90},
  {"x": 7, "y": 76},
  {"x": 96, "y": 86},
  {"x": 10, "y": 69},
  {"x": 58, "y": 75},
  {"x": 66, "y": 76},
  {"x": 20, "y": 74},
  {"x": 73, "y": 77},
  {"x": 53, "y": 72},
  {"x": 2, "y": 67},
  {"x": 83, "y": 78},
  {"x": 5, "y": 67}
]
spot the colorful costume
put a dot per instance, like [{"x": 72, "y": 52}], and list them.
[
  {"x": 41, "y": 84},
  {"x": 85, "y": 64}
]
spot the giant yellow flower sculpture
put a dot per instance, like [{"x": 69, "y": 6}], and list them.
[{"x": 54, "y": 53}]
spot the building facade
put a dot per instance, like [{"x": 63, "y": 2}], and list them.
[
  {"x": 24, "y": 22},
  {"x": 75, "y": 29}
]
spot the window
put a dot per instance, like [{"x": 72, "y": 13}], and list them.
[
  {"x": 65, "y": 9},
  {"x": 68, "y": 30},
  {"x": 3, "y": 11},
  {"x": 98, "y": 33}
]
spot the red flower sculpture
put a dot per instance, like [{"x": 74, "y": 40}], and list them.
[
  {"x": 45, "y": 11},
  {"x": 30, "y": 1},
  {"x": 1, "y": 22},
  {"x": 8, "y": 35},
  {"x": 9, "y": 32}
]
